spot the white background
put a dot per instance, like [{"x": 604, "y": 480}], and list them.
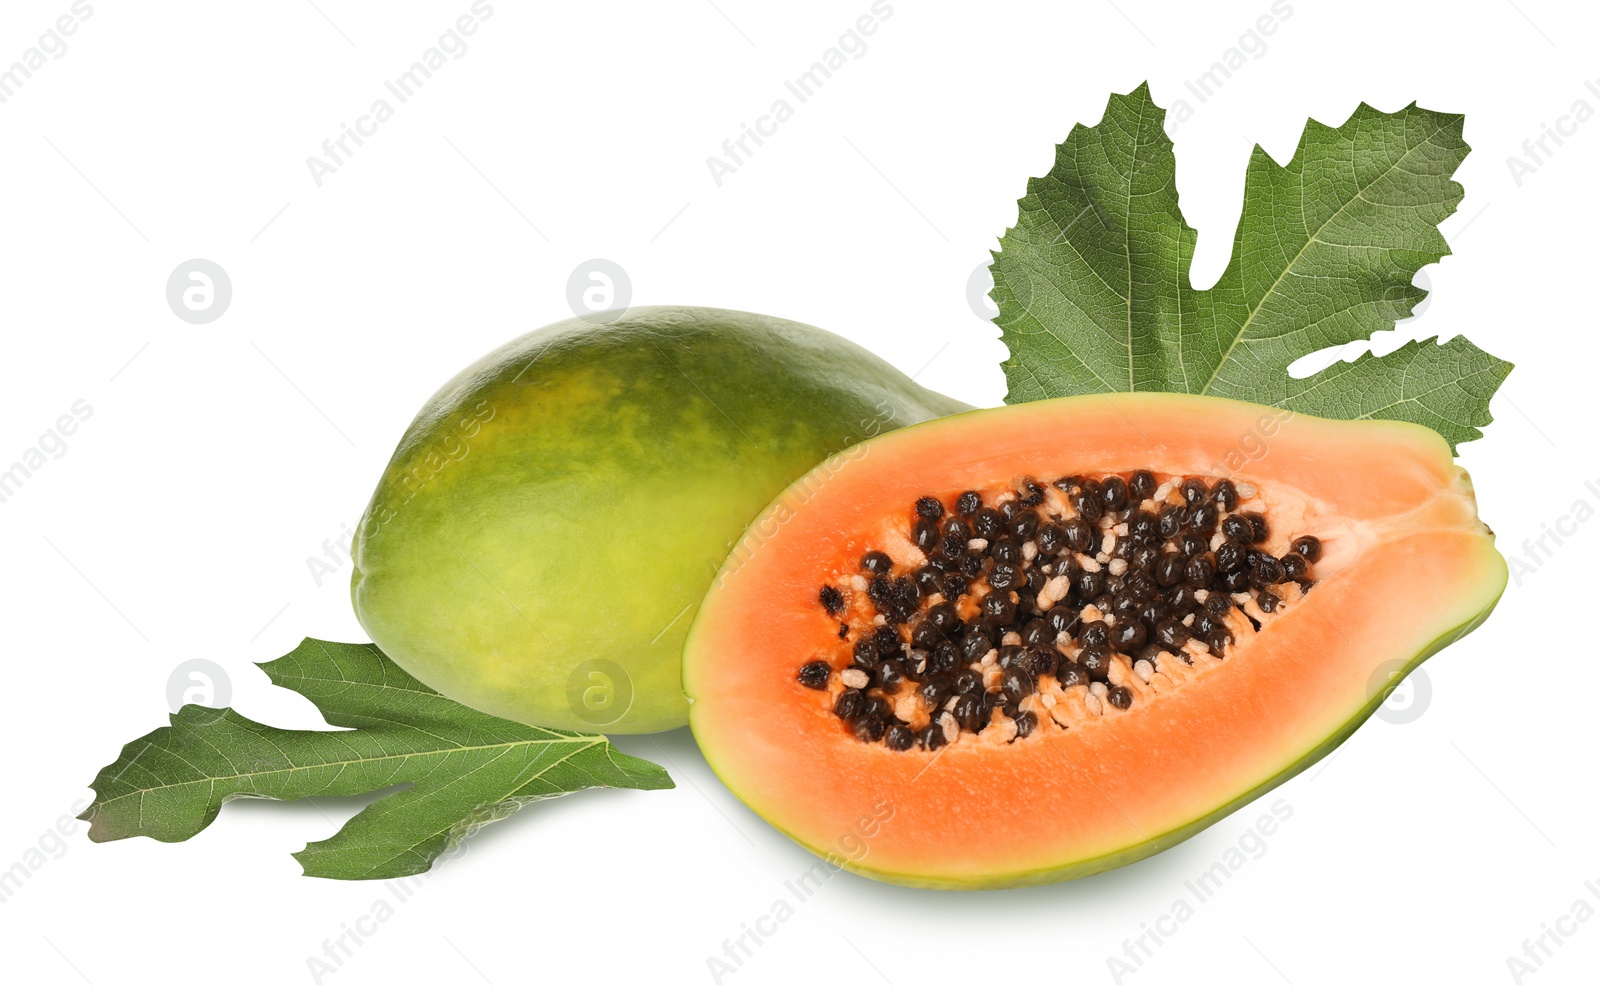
[{"x": 218, "y": 459}]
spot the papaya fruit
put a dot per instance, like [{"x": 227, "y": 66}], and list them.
[
  {"x": 1037, "y": 642},
  {"x": 547, "y": 525}
]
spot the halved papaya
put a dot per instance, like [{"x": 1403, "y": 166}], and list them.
[{"x": 1016, "y": 646}]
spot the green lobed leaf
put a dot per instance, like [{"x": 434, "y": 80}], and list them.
[
  {"x": 1445, "y": 387},
  {"x": 1093, "y": 287},
  {"x": 464, "y": 768}
]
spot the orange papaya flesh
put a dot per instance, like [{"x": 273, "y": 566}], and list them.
[{"x": 1404, "y": 568}]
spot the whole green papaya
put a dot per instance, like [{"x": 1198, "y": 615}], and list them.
[{"x": 544, "y": 531}]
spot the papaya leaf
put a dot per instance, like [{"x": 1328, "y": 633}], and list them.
[
  {"x": 1093, "y": 289},
  {"x": 463, "y": 768}
]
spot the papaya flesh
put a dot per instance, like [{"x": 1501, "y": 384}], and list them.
[
  {"x": 1060, "y": 785},
  {"x": 542, "y": 536}
]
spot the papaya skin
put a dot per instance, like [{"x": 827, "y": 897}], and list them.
[{"x": 542, "y": 536}]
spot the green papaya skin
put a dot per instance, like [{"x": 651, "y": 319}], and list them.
[{"x": 540, "y": 541}]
